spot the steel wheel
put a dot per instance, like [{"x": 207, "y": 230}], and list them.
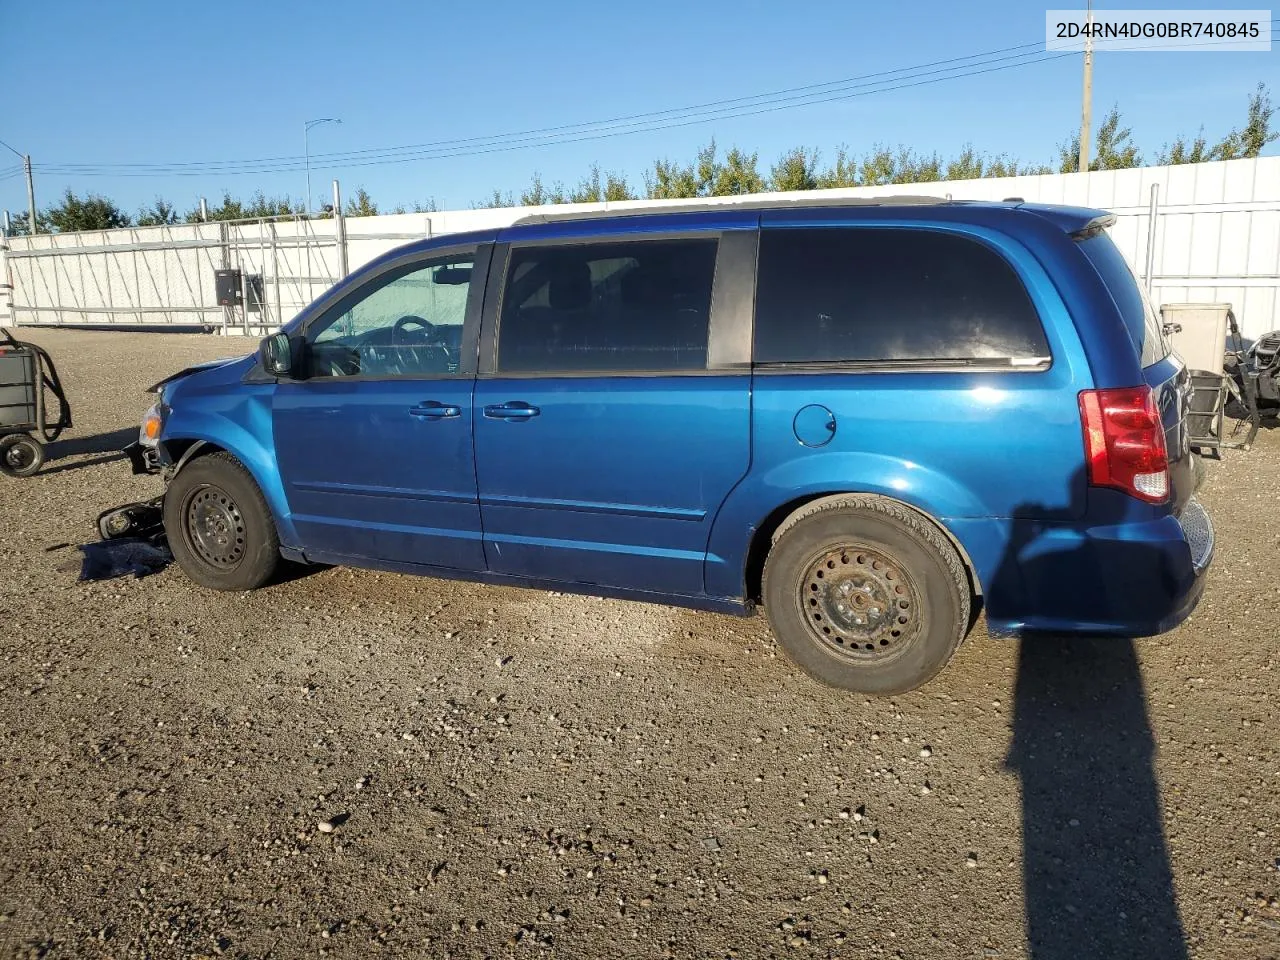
[
  {"x": 213, "y": 527},
  {"x": 859, "y": 602}
]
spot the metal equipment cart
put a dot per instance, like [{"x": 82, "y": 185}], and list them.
[{"x": 27, "y": 377}]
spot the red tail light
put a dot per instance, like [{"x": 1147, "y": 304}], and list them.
[{"x": 1124, "y": 442}]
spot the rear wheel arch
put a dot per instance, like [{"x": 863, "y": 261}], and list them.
[{"x": 776, "y": 522}]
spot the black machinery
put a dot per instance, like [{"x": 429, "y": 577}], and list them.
[
  {"x": 28, "y": 379},
  {"x": 1255, "y": 379}
]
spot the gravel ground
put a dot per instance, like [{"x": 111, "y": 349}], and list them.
[{"x": 353, "y": 763}]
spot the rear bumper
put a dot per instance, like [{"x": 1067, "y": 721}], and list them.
[{"x": 1132, "y": 580}]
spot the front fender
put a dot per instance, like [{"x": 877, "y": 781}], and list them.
[
  {"x": 747, "y": 507},
  {"x": 239, "y": 422}
]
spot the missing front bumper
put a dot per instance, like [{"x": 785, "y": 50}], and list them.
[{"x": 143, "y": 459}]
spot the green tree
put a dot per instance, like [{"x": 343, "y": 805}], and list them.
[
  {"x": 671, "y": 181},
  {"x": 738, "y": 175},
  {"x": 1256, "y": 133},
  {"x": 258, "y": 207},
  {"x": 360, "y": 204},
  {"x": 596, "y": 189},
  {"x": 878, "y": 168},
  {"x": 534, "y": 195},
  {"x": 1180, "y": 151},
  {"x": 969, "y": 165},
  {"x": 18, "y": 226},
  {"x": 1112, "y": 149},
  {"x": 90, "y": 212},
  {"x": 797, "y": 169},
  {"x": 161, "y": 213},
  {"x": 495, "y": 200},
  {"x": 842, "y": 173}
]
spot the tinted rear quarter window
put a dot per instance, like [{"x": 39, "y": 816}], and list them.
[
  {"x": 1130, "y": 299},
  {"x": 867, "y": 295}
]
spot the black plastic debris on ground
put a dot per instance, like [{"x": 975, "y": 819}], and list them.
[
  {"x": 123, "y": 557},
  {"x": 132, "y": 545}
]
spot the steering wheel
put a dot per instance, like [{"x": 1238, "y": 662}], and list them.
[{"x": 401, "y": 336}]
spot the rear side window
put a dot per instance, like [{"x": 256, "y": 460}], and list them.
[
  {"x": 1139, "y": 316},
  {"x": 866, "y": 295},
  {"x": 607, "y": 307}
]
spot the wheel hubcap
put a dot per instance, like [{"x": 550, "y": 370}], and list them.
[
  {"x": 859, "y": 602},
  {"x": 19, "y": 456},
  {"x": 214, "y": 527}
]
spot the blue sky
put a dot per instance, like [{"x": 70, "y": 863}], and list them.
[{"x": 145, "y": 81}]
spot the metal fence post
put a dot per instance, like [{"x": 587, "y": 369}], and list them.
[
  {"x": 244, "y": 299},
  {"x": 224, "y": 243},
  {"x": 8, "y": 317},
  {"x": 1152, "y": 213},
  {"x": 339, "y": 230},
  {"x": 275, "y": 274}
]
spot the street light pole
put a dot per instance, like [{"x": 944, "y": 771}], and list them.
[
  {"x": 306, "y": 148},
  {"x": 31, "y": 188}
]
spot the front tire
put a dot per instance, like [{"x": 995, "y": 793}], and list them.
[
  {"x": 219, "y": 526},
  {"x": 866, "y": 594}
]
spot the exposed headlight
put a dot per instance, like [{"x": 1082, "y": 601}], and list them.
[{"x": 152, "y": 421}]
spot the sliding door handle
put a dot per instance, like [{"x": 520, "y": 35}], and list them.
[{"x": 511, "y": 410}]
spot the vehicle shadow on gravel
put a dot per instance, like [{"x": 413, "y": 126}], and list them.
[
  {"x": 110, "y": 443},
  {"x": 1096, "y": 871}
]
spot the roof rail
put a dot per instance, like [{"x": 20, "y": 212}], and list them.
[{"x": 704, "y": 206}]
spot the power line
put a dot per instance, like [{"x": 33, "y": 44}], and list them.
[
  {"x": 650, "y": 121},
  {"x": 594, "y": 125},
  {"x": 447, "y": 152}
]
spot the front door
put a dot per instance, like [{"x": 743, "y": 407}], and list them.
[
  {"x": 375, "y": 441},
  {"x": 604, "y": 442}
]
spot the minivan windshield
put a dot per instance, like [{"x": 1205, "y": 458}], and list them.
[{"x": 1131, "y": 299}]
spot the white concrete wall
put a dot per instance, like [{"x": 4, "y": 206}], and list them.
[{"x": 1217, "y": 239}]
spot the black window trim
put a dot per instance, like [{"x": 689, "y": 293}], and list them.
[
  {"x": 1019, "y": 365},
  {"x": 726, "y": 313},
  {"x": 336, "y": 300}
]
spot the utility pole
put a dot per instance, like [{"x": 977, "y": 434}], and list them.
[
  {"x": 31, "y": 194},
  {"x": 1086, "y": 107},
  {"x": 31, "y": 187}
]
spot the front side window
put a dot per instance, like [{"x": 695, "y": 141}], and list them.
[
  {"x": 864, "y": 295},
  {"x": 406, "y": 323},
  {"x": 607, "y": 307}
]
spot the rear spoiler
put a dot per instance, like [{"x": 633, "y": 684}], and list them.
[{"x": 1094, "y": 227}]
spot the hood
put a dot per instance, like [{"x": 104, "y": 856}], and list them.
[{"x": 194, "y": 368}]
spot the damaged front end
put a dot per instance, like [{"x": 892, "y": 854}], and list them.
[
  {"x": 145, "y": 454},
  {"x": 143, "y": 459}
]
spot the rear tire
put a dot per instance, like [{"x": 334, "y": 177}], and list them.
[
  {"x": 219, "y": 526},
  {"x": 21, "y": 455},
  {"x": 866, "y": 594}
]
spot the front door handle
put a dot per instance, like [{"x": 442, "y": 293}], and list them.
[
  {"x": 435, "y": 410},
  {"x": 511, "y": 410}
]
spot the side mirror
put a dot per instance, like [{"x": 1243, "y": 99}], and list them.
[{"x": 276, "y": 355}]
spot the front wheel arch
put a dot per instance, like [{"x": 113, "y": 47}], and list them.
[{"x": 181, "y": 452}]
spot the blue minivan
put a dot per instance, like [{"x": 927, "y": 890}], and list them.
[{"x": 876, "y": 419}]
